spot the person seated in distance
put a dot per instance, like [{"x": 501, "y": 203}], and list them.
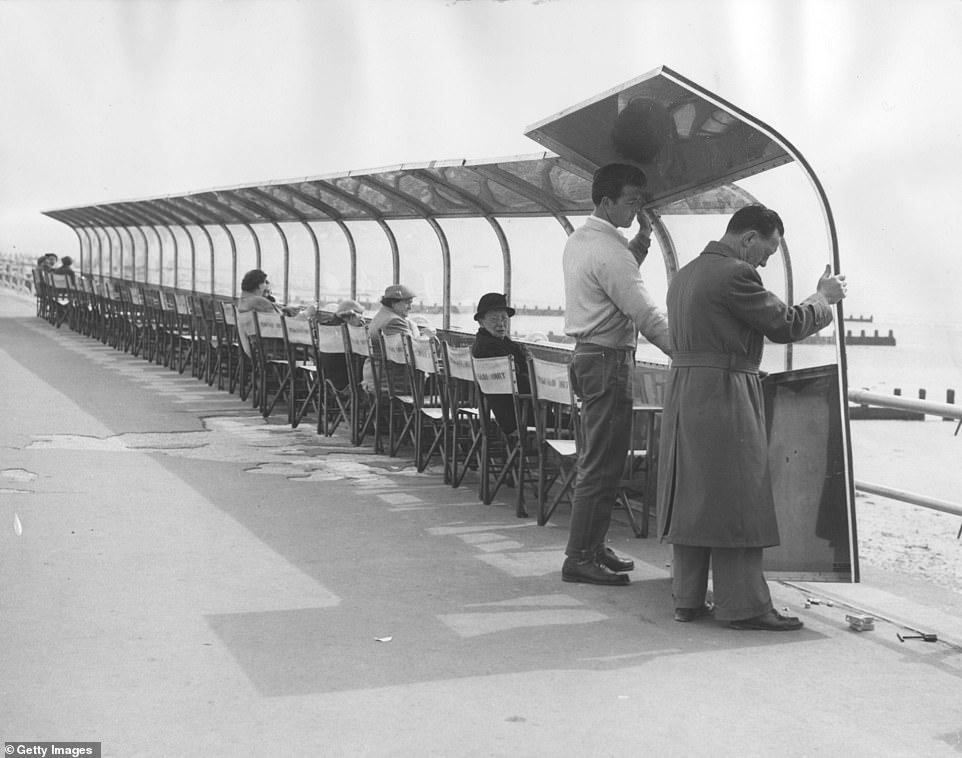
[
  {"x": 66, "y": 269},
  {"x": 393, "y": 318},
  {"x": 334, "y": 365}
]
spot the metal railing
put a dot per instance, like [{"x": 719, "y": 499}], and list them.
[{"x": 944, "y": 410}]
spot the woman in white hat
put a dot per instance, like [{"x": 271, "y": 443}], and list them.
[{"x": 392, "y": 318}]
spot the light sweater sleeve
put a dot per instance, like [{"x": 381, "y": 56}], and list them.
[{"x": 620, "y": 278}]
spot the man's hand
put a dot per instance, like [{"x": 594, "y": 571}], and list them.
[
  {"x": 639, "y": 244},
  {"x": 832, "y": 287}
]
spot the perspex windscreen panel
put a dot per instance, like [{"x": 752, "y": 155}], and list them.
[{"x": 806, "y": 453}]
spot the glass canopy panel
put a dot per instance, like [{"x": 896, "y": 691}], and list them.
[
  {"x": 377, "y": 202},
  {"x": 203, "y": 273},
  {"x": 428, "y": 195},
  {"x": 263, "y": 205},
  {"x": 301, "y": 265},
  {"x": 246, "y": 254},
  {"x": 477, "y": 266},
  {"x": 683, "y": 139},
  {"x": 498, "y": 198},
  {"x": 155, "y": 253},
  {"x": 422, "y": 268},
  {"x": 232, "y": 209},
  {"x": 462, "y": 180},
  {"x": 184, "y": 259},
  {"x": 166, "y": 273},
  {"x": 508, "y": 196},
  {"x": 335, "y": 263},
  {"x": 272, "y": 258},
  {"x": 537, "y": 284},
  {"x": 100, "y": 260},
  {"x": 189, "y": 207},
  {"x": 319, "y": 192},
  {"x": 375, "y": 268},
  {"x": 403, "y": 205},
  {"x": 560, "y": 188},
  {"x": 725, "y": 199},
  {"x": 223, "y": 262},
  {"x": 296, "y": 204},
  {"x": 171, "y": 211},
  {"x": 443, "y": 196}
]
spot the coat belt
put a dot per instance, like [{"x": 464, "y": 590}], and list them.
[{"x": 728, "y": 361}]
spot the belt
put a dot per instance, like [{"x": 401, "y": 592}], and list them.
[
  {"x": 595, "y": 346},
  {"x": 727, "y": 361},
  {"x": 623, "y": 353}
]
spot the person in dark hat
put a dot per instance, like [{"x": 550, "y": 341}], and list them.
[{"x": 492, "y": 341}]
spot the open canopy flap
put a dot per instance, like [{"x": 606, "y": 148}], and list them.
[{"x": 686, "y": 139}]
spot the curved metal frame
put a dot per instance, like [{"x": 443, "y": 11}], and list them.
[
  {"x": 300, "y": 219},
  {"x": 241, "y": 221},
  {"x": 142, "y": 219},
  {"x": 192, "y": 209},
  {"x": 386, "y": 189},
  {"x": 513, "y": 183},
  {"x": 337, "y": 219},
  {"x": 377, "y": 217},
  {"x": 76, "y": 223},
  {"x": 277, "y": 227},
  {"x": 484, "y": 212}
]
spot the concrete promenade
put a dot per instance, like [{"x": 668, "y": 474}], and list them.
[{"x": 179, "y": 577}]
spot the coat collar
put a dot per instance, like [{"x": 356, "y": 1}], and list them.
[{"x": 720, "y": 248}]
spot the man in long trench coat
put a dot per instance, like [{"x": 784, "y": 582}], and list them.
[{"x": 715, "y": 499}]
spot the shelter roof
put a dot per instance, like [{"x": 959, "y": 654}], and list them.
[{"x": 691, "y": 144}]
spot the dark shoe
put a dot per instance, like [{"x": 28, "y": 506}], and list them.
[
  {"x": 591, "y": 573},
  {"x": 618, "y": 563},
  {"x": 690, "y": 614},
  {"x": 772, "y": 621}
]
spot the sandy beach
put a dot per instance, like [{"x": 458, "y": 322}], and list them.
[{"x": 920, "y": 457}]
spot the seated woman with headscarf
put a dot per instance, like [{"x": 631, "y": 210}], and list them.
[
  {"x": 335, "y": 364},
  {"x": 492, "y": 341}
]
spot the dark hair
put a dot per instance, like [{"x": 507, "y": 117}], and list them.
[
  {"x": 757, "y": 218},
  {"x": 610, "y": 180},
  {"x": 67, "y": 260},
  {"x": 252, "y": 280}
]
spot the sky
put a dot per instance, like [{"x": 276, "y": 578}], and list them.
[{"x": 118, "y": 100}]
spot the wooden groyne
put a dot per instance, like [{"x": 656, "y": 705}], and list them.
[{"x": 854, "y": 339}]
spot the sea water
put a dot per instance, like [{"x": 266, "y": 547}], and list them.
[{"x": 925, "y": 356}]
